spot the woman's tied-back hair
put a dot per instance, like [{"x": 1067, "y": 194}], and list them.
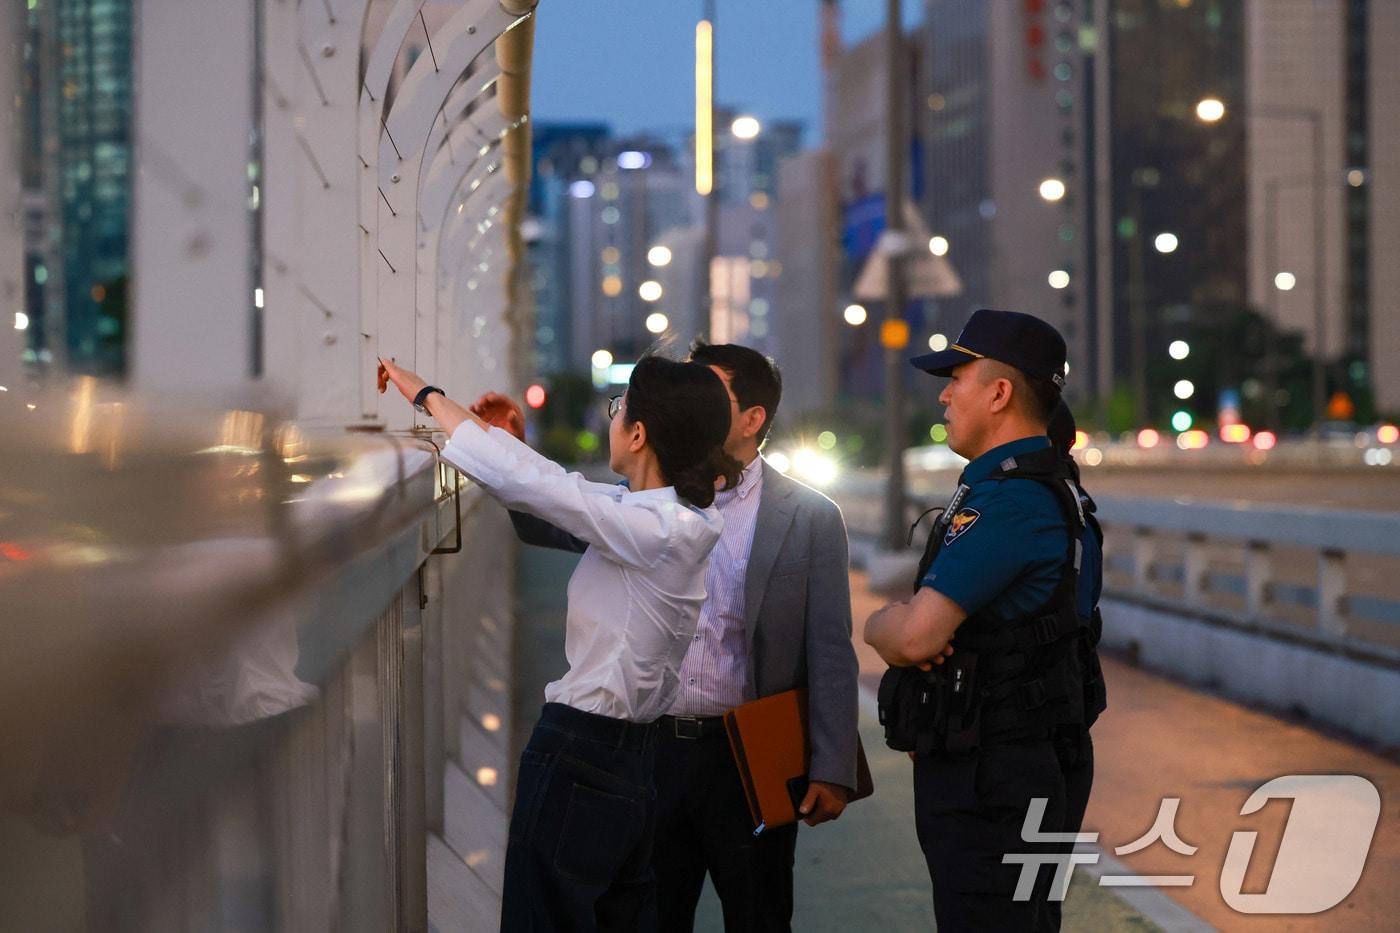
[
  {"x": 1061, "y": 429},
  {"x": 686, "y": 412},
  {"x": 1062, "y": 432}
]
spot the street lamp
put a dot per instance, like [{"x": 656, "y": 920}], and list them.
[
  {"x": 854, "y": 314},
  {"x": 938, "y": 246},
  {"x": 1313, "y": 117},
  {"x": 1210, "y": 110},
  {"x": 1166, "y": 242},
  {"x": 745, "y": 127},
  {"x": 1052, "y": 190},
  {"x": 659, "y": 256}
]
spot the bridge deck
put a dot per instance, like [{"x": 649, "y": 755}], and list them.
[{"x": 1157, "y": 739}]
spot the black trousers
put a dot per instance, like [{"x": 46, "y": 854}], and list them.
[
  {"x": 703, "y": 825},
  {"x": 969, "y": 810},
  {"x": 579, "y": 853}
]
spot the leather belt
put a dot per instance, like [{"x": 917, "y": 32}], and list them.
[{"x": 693, "y": 727}]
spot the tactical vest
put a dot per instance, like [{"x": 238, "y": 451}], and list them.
[{"x": 1006, "y": 680}]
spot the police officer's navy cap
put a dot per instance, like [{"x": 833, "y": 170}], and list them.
[{"x": 1020, "y": 340}]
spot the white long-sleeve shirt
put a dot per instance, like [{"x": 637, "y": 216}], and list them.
[{"x": 635, "y": 596}]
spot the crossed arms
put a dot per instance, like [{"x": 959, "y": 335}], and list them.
[{"x": 915, "y": 632}]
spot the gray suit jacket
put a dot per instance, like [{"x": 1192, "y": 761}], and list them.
[{"x": 797, "y": 612}]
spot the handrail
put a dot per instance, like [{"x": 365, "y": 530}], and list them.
[
  {"x": 1257, "y": 596},
  {"x": 137, "y": 543},
  {"x": 1301, "y": 526}
]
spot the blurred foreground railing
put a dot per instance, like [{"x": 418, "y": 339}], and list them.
[{"x": 246, "y": 682}]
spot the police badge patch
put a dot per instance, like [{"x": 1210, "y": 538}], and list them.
[{"x": 961, "y": 522}]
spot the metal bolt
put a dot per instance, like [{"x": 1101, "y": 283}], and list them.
[
  {"x": 327, "y": 51},
  {"x": 394, "y": 178},
  {"x": 471, "y": 30}
]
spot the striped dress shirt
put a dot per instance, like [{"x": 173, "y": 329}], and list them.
[{"x": 715, "y": 670}]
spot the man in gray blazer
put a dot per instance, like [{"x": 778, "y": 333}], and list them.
[{"x": 777, "y": 615}]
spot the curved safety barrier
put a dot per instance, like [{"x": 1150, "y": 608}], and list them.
[{"x": 256, "y": 638}]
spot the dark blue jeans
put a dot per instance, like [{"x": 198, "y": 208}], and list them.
[
  {"x": 703, "y": 827},
  {"x": 579, "y": 855}
]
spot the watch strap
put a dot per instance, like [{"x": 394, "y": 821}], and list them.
[{"x": 422, "y": 396}]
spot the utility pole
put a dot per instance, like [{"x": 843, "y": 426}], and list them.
[
  {"x": 1271, "y": 419},
  {"x": 1137, "y": 302},
  {"x": 1319, "y": 362},
  {"x": 894, "y": 332}
]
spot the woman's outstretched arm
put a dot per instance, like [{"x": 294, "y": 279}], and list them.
[{"x": 447, "y": 413}]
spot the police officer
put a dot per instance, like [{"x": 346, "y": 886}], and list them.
[{"x": 994, "y": 681}]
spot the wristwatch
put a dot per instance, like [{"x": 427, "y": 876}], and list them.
[{"x": 422, "y": 397}]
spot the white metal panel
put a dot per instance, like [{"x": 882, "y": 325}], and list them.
[
  {"x": 407, "y": 330},
  {"x": 191, "y": 230},
  {"x": 12, "y": 271},
  {"x": 311, "y": 92},
  {"x": 369, "y": 131}
]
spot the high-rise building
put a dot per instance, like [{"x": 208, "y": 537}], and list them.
[
  {"x": 563, "y": 154},
  {"x": 1321, "y": 68},
  {"x": 618, "y": 244},
  {"x": 748, "y": 164},
  {"x": 1005, "y": 100},
  {"x": 1075, "y": 174},
  {"x": 1373, "y": 279},
  {"x": 1259, "y": 131},
  {"x": 1172, "y": 220},
  {"x": 79, "y": 90},
  {"x": 637, "y": 193},
  {"x": 856, "y": 136},
  {"x": 806, "y": 330}
]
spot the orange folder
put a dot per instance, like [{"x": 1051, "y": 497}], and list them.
[{"x": 769, "y": 739}]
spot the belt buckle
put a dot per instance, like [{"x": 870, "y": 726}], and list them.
[{"x": 686, "y": 727}]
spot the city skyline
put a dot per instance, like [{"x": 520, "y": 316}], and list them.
[{"x": 652, "y": 88}]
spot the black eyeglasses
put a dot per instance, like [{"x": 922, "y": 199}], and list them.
[{"x": 614, "y": 406}]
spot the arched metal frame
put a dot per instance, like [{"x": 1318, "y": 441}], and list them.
[
  {"x": 356, "y": 197},
  {"x": 407, "y": 322},
  {"x": 265, "y": 158}
]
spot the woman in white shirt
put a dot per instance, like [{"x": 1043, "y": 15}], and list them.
[{"x": 579, "y": 852}]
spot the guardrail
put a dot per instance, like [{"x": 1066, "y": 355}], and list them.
[
  {"x": 229, "y": 637},
  {"x": 1294, "y": 609},
  {"x": 1286, "y": 572},
  {"x": 238, "y": 690},
  {"x": 1324, "y": 577}
]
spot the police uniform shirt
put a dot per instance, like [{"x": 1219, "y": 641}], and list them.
[{"x": 1003, "y": 550}]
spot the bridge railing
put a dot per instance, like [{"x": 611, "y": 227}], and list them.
[
  {"x": 255, "y": 662},
  {"x": 1324, "y": 577},
  {"x": 1293, "y": 609}
]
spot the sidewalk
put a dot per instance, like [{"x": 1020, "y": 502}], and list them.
[
  {"x": 1157, "y": 739},
  {"x": 865, "y": 870},
  {"x": 1160, "y": 739}
]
